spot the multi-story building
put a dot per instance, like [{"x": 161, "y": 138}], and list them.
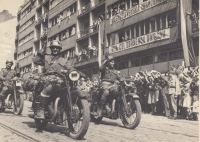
[
  {"x": 146, "y": 34},
  {"x": 31, "y": 32},
  {"x": 140, "y": 34}
]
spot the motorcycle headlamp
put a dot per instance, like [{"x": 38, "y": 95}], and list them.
[{"x": 74, "y": 76}]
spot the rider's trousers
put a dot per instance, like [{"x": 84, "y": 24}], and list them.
[{"x": 7, "y": 89}]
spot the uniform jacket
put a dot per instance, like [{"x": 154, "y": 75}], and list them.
[
  {"x": 7, "y": 74},
  {"x": 109, "y": 75},
  {"x": 52, "y": 63}
]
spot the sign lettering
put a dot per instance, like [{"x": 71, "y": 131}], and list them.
[{"x": 142, "y": 40}]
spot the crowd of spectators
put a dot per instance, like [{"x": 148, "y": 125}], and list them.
[
  {"x": 86, "y": 53},
  {"x": 174, "y": 94}
]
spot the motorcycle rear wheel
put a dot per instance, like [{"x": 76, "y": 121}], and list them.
[
  {"x": 81, "y": 109},
  {"x": 19, "y": 103},
  {"x": 125, "y": 118}
]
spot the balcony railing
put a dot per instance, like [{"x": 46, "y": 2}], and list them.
[
  {"x": 97, "y": 2},
  {"x": 94, "y": 28},
  {"x": 195, "y": 26},
  {"x": 124, "y": 14},
  {"x": 84, "y": 33},
  {"x": 42, "y": 18},
  {"x": 84, "y": 9},
  {"x": 85, "y": 57}
]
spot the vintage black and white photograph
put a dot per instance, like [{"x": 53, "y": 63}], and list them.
[{"x": 99, "y": 70}]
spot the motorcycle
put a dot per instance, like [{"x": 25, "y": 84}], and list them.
[
  {"x": 15, "y": 100},
  {"x": 69, "y": 109},
  {"x": 122, "y": 104}
]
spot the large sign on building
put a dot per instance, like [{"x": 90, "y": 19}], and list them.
[
  {"x": 145, "y": 39},
  {"x": 135, "y": 9},
  {"x": 7, "y": 41}
]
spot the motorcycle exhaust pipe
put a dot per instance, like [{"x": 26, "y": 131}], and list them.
[
  {"x": 55, "y": 109},
  {"x": 7, "y": 99},
  {"x": 113, "y": 108}
]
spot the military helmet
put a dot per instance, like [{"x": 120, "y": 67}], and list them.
[
  {"x": 109, "y": 58},
  {"x": 9, "y": 61},
  {"x": 55, "y": 43}
]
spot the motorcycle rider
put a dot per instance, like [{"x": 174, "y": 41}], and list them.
[
  {"x": 6, "y": 75},
  {"x": 109, "y": 81},
  {"x": 51, "y": 84}
]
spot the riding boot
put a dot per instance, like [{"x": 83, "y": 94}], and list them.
[
  {"x": 101, "y": 107},
  {"x": 42, "y": 106}
]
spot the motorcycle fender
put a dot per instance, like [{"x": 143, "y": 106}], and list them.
[
  {"x": 80, "y": 93},
  {"x": 135, "y": 96}
]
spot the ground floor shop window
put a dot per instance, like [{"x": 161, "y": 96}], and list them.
[
  {"x": 161, "y": 57},
  {"x": 122, "y": 65},
  {"x": 176, "y": 54},
  {"x": 134, "y": 62},
  {"x": 146, "y": 60}
]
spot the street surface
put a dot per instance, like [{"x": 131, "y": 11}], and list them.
[{"x": 150, "y": 129}]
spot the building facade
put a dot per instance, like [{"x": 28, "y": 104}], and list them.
[{"x": 140, "y": 34}]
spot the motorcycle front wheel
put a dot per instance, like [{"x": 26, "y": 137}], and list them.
[
  {"x": 19, "y": 104},
  {"x": 78, "y": 126},
  {"x": 131, "y": 118}
]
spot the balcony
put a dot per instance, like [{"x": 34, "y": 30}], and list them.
[
  {"x": 94, "y": 29},
  {"x": 42, "y": 18},
  {"x": 84, "y": 9},
  {"x": 41, "y": 2},
  {"x": 138, "y": 8},
  {"x": 85, "y": 57},
  {"x": 97, "y": 3},
  {"x": 83, "y": 33}
]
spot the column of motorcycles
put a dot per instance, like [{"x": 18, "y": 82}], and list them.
[{"x": 76, "y": 108}]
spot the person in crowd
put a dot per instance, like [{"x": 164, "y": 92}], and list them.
[
  {"x": 163, "y": 83},
  {"x": 194, "y": 86},
  {"x": 153, "y": 94},
  {"x": 82, "y": 84},
  {"x": 88, "y": 82},
  {"x": 95, "y": 82},
  {"x": 173, "y": 93},
  {"x": 110, "y": 78}
]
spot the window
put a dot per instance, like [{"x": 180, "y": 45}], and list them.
[
  {"x": 142, "y": 28},
  {"x": 163, "y": 21},
  {"x": 132, "y": 32},
  {"x": 121, "y": 36},
  {"x": 147, "y": 28},
  {"x": 158, "y": 23},
  {"x": 152, "y": 26},
  {"x": 137, "y": 30},
  {"x": 135, "y": 62},
  {"x": 176, "y": 54},
  {"x": 146, "y": 60},
  {"x": 161, "y": 57},
  {"x": 171, "y": 18},
  {"x": 122, "y": 65}
]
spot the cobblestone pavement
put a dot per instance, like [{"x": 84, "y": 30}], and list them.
[
  {"x": 150, "y": 129},
  {"x": 7, "y": 136}
]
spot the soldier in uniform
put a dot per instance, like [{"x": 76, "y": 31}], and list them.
[
  {"x": 51, "y": 84},
  {"x": 109, "y": 80},
  {"x": 6, "y": 75}
]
